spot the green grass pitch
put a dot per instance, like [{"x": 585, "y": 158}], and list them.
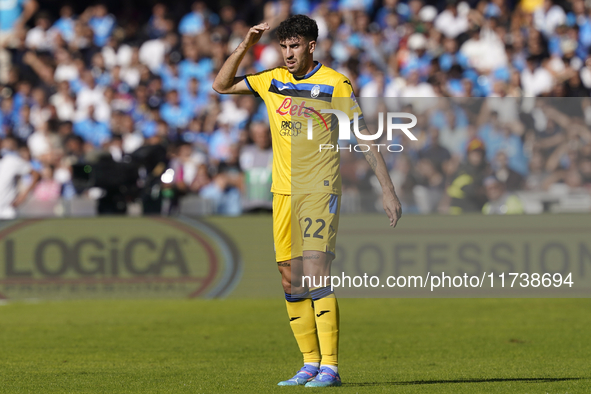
[{"x": 245, "y": 346}]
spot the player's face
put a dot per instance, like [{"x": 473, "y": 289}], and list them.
[{"x": 297, "y": 54}]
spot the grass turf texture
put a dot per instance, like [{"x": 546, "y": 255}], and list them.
[{"x": 246, "y": 346}]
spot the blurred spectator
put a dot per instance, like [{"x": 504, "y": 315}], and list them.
[
  {"x": 194, "y": 22},
  {"x": 152, "y": 52},
  {"x": 585, "y": 170},
  {"x": 453, "y": 132},
  {"x": 500, "y": 202},
  {"x": 22, "y": 127},
  {"x": 185, "y": 166},
  {"x": 132, "y": 139},
  {"x": 48, "y": 189},
  {"x": 429, "y": 188},
  {"x": 224, "y": 193},
  {"x": 510, "y": 180},
  {"x": 40, "y": 38},
  {"x": 172, "y": 112},
  {"x": 64, "y": 103},
  {"x": 13, "y": 167},
  {"x": 158, "y": 24},
  {"x": 497, "y": 136},
  {"x": 221, "y": 141},
  {"x": 91, "y": 130},
  {"x": 13, "y": 17},
  {"x": 485, "y": 52},
  {"x": 66, "y": 23},
  {"x": 536, "y": 80},
  {"x": 419, "y": 59},
  {"x": 202, "y": 179},
  {"x": 453, "y": 21},
  {"x": 41, "y": 142},
  {"x": 467, "y": 188},
  {"x": 548, "y": 17},
  {"x": 256, "y": 161},
  {"x": 437, "y": 154},
  {"x": 101, "y": 23},
  {"x": 536, "y": 179}
]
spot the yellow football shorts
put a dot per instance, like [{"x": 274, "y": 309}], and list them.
[{"x": 305, "y": 222}]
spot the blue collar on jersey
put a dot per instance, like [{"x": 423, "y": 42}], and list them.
[{"x": 318, "y": 65}]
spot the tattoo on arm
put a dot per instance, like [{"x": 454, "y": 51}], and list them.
[
  {"x": 284, "y": 264},
  {"x": 371, "y": 159}
]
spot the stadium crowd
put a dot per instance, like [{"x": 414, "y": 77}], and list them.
[{"x": 506, "y": 83}]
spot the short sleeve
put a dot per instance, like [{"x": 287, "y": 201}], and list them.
[
  {"x": 343, "y": 88},
  {"x": 343, "y": 99},
  {"x": 259, "y": 83}
]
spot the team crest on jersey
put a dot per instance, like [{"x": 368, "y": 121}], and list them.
[{"x": 315, "y": 91}]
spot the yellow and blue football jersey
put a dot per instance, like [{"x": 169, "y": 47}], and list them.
[{"x": 299, "y": 166}]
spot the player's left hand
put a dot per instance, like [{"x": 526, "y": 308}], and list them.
[{"x": 392, "y": 207}]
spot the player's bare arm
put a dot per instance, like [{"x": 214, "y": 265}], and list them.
[
  {"x": 226, "y": 81},
  {"x": 390, "y": 201},
  {"x": 22, "y": 197}
]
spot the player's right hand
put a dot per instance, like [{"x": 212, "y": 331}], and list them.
[{"x": 254, "y": 34}]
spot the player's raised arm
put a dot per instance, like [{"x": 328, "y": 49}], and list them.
[{"x": 226, "y": 81}]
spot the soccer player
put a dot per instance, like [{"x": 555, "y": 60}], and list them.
[{"x": 306, "y": 183}]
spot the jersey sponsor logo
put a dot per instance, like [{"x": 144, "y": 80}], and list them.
[
  {"x": 290, "y": 128},
  {"x": 315, "y": 91},
  {"x": 116, "y": 258},
  {"x": 286, "y": 108}
]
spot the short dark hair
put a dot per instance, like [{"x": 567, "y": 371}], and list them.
[{"x": 297, "y": 26}]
